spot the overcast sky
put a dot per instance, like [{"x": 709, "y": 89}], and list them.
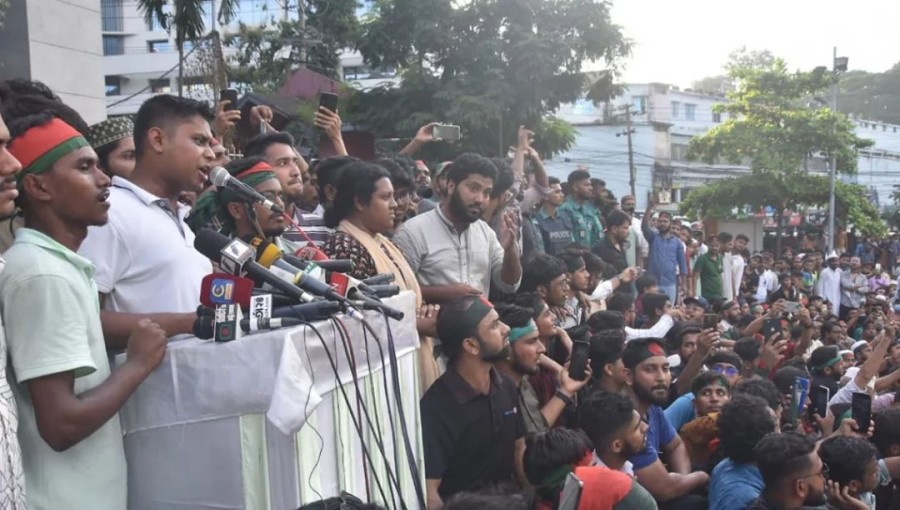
[{"x": 680, "y": 41}]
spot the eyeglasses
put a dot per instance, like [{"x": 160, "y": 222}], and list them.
[
  {"x": 727, "y": 370},
  {"x": 273, "y": 196}
]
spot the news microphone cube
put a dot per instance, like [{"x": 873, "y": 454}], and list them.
[{"x": 228, "y": 323}]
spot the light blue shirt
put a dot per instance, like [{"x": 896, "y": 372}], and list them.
[{"x": 681, "y": 412}]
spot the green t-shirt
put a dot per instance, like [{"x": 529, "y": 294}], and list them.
[
  {"x": 710, "y": 272},
  {"x": 49, "y": 304}
]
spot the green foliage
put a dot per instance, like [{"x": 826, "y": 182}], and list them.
[
  {"x": 488, "y": 66},
  {"x": 740, "y": 58},
  {"x": 771, "y": 124},
  {"x": 188, "y": 17},
  {"x": 265, "y": 55},
  {"x": 746, "y": 194}
]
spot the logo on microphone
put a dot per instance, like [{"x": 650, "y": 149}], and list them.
[{"x": 221, "y": 292}]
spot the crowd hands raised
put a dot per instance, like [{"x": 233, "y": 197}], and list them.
[{"x": 561, "y": 335}]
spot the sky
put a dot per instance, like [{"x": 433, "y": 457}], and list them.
[{"x": 679, "y": 41}]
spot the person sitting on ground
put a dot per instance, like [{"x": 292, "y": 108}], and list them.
[
  {"x": 525, "y": 352},
  {"x": 792, "y": 472},
  {"x": 853, "y": 463},
  {"x": 736, "y": 481},
  {"x": 648, "y": 380},
  {"x": 472, "y": 430},
  {"x": 552, "y": 455},
  {"x": 711, "y": 391}
]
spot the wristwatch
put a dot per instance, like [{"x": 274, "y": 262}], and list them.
[{"x": 565, "y": 398}]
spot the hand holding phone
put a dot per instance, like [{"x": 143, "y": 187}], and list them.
[
  {"x": 710, "y": 321},
  {"x": 229, "y": 95},
  {"x": 861, "y": 411},
  {"x": 579, "y": 360}
]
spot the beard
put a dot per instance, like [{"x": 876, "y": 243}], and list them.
[
  {"x": 463, "y": 213},
  {"x": 815, "y": 498},
  {"x": 650, "y": 396},
  {"x": 520, "y": 367},
  {"x": 501, "y": 354}
]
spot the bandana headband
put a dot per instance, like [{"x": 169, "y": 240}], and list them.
[
  {"x": 260, "y": 167},
  {"x": 479, "y": 310},
  {"x": 38, "y": 148},
  {"x": 517, "y": 333}
]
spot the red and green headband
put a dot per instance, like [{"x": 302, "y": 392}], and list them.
[{"x": 40, "y": 147}]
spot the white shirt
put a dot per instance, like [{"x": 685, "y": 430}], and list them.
[
  {"x": 829, "y": 287},
  {"x": 658, "y": 330},
  {"x": 768, "y": 282},
  {"x": 737, "y": 274},
  {"x": 727, "y": 271},
  {"x": 144, "y": 256}
]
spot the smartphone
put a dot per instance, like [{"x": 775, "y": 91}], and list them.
[
  {"x": 710, "y": 321},
  {"x": 771, "y": 327},
  {"x": 819, "y": 397},
  {"x": 579, "y": 360},
  {"x": 792, "y": 306},
  {"x": 446, "y": 132},
  {"x": 328, "y": 100},
  {"x": 229, "y": 95},
  {"x": 799, "y": 392},
  {"x": 861, "y": 411},
  {"x": 570, "y": 497}
]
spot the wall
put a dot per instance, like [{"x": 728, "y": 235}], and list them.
[{"x": 66, "y": 52}]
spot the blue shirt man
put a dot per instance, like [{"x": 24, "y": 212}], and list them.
[
  {"x": 666, "y": 261},
  {"x": 587, "y": 229}
]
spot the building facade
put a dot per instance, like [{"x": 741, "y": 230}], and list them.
[
  {"x": 56, "y": 42},
  {"x": 663, "y": 120}
]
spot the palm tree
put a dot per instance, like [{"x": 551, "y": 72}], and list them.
[{"x": 188, "y": 20}]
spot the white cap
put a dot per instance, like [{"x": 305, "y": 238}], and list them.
[
  {"x": 857, "y": 344},
  {"x": 832, "y": 255}
]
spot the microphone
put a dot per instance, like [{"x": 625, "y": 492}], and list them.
[
  {"x": 306, "y": 312},
  {"x": 204, "y": 327},
  {"x": 225, "y": 289},
  {"x": 380, "y": 279},
  {"x": 384, "y": 291},
  {"x": 271, "y": 257},
  {"x": 355, "y": 291},
  {"x": 215, "y": 246},
  {"x": 339, "y": 265},
  {"x": 222, "y": 179}
]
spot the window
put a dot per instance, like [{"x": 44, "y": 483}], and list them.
[
  {"x": 161, "y": 86},
  {"x": 161, "y": 46},
  {"x": 679, "y": 152},
  {"x": 676, "y": 109},
  {"x": 717, "y": 117},
  {"x": 111, "y": 15},
  {"x": 113, "y": 45},
  {"x": 113, "y": 85},
  {"x": 639, "y": 103},
  {"x": 690, "y": 111}
]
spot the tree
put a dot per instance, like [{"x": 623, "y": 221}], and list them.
[
  {"x": 769, "y": 123},
  {"x": 872, "y": 96},
  {"x": 488, "y": 66},
  {"x": 188, "y": 20},
  {"x": 739, "y": 58},
  {"x": 265, "y": 55}
]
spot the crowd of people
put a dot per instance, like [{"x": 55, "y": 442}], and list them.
[{"x": 561, "y": 335}]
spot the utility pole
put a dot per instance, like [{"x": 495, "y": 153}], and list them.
[
  {"x": 628, "y": 132},
  {"x": 837, "y": 65}
]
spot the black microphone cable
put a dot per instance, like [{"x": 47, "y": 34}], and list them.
[
  {"x": 356, "y": 422},
  {"x": 395, "y": 368},
  {"x": 392, "y": 477}
]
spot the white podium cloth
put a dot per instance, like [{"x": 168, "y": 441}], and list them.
[{"x": 261, "y": 423}]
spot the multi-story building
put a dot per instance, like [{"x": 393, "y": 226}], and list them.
[
  {"x": 56, "y": 42},
  {"x": 141, "y": 59},
  {"x": 663, "y": 120}
]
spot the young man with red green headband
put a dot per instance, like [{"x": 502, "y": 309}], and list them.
[{"x": 67, "y": 398}]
